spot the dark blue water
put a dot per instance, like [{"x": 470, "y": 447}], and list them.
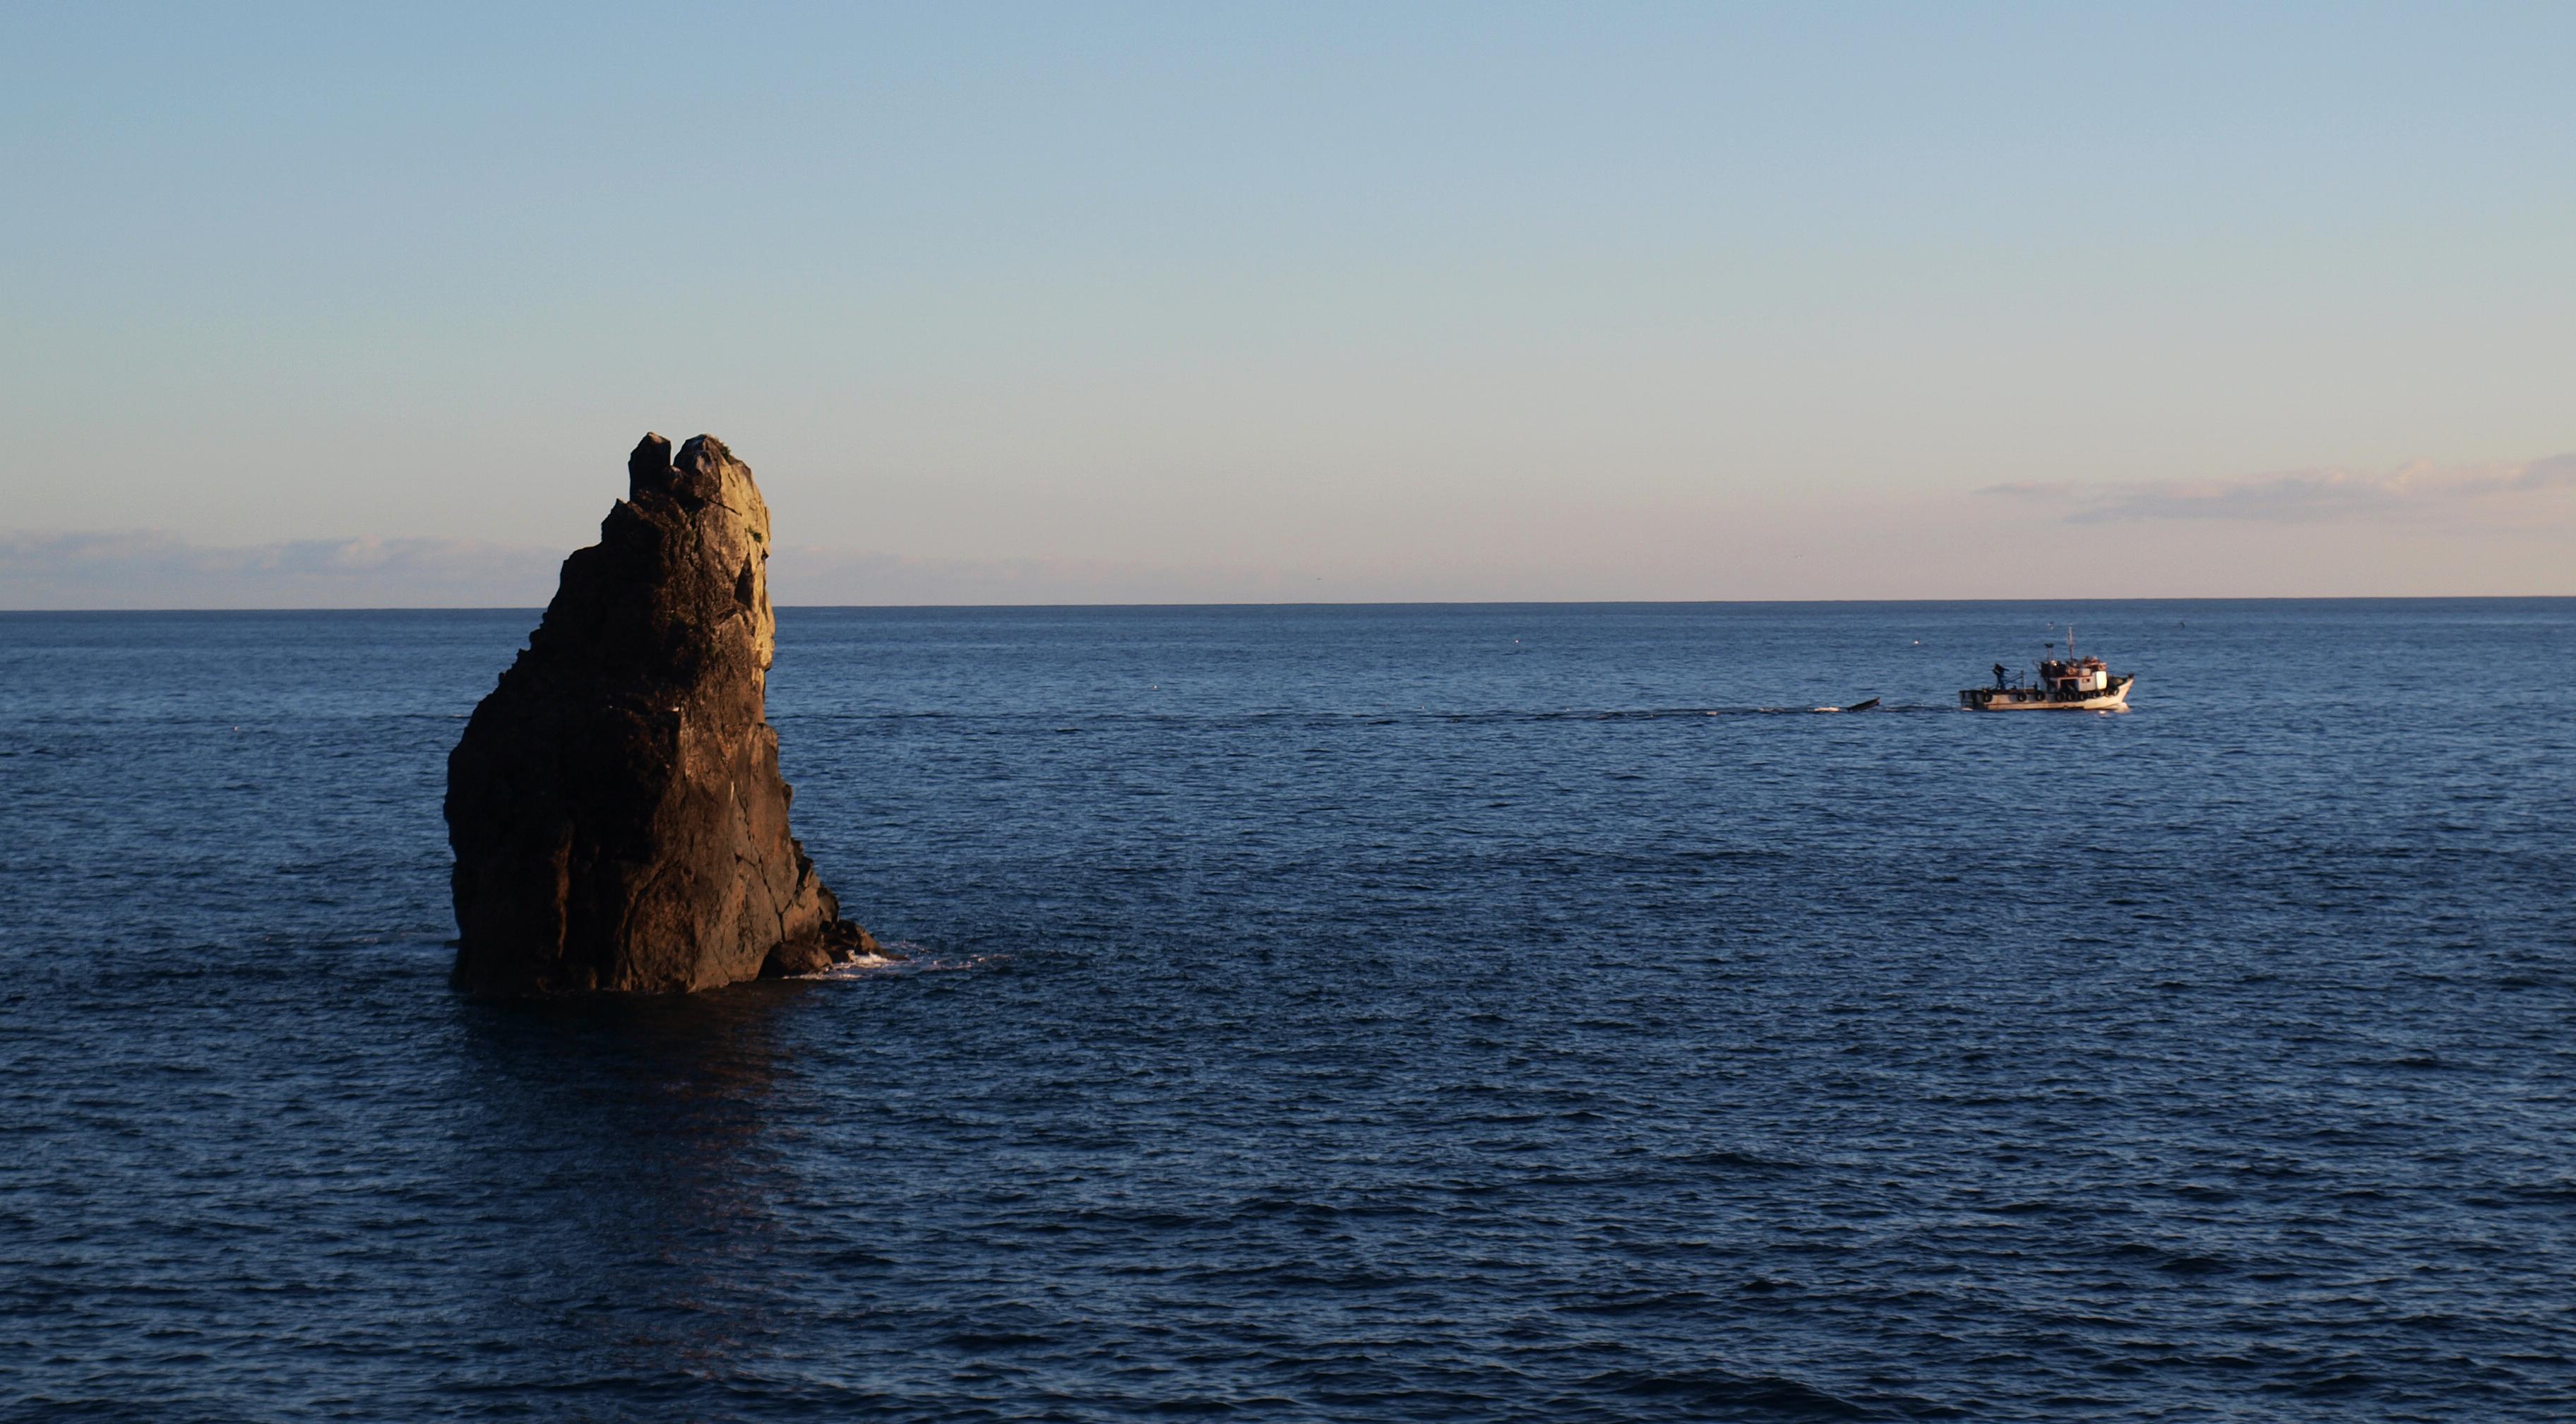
[{"x": 1441, "y": 1013}]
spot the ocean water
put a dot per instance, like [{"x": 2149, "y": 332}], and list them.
[{"x": 1429, "y": 1013}]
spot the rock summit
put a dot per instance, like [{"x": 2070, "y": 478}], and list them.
[{"x": 615, "y": 805}]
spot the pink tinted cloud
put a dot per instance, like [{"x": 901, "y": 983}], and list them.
[{"x": 2299, "y": 496}]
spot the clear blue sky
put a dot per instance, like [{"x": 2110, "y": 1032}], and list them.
[{"x": 347, "y": 304}]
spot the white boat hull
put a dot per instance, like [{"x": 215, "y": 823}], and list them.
[{"x": 2032, "y": 699}]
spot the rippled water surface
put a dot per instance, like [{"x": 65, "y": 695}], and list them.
[{"x": 1432, "y": 1013}]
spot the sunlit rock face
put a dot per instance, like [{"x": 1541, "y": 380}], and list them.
[{"x": 615, "y": 805}]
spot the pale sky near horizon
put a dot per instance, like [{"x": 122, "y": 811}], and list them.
[{"x": 344, "y": 305}]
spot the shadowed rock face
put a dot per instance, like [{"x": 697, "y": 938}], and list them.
[{"x": 615, "y": 805}]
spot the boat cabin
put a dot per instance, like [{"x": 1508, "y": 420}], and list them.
[{"x": 2074, "y": 677}]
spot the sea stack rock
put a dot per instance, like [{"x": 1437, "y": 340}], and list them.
[{"x": 615, "y": 804}]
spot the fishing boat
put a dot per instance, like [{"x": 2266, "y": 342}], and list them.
[{"x": 2067, "y": 684}]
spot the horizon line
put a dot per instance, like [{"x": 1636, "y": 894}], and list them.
[{"x": 539, "y": 608}]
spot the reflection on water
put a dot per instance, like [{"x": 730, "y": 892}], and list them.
[{"x": 621, "y": 1152}]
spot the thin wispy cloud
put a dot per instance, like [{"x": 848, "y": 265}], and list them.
[
  {"x": 2300, "y": 496},
  {"x": 149, "y": 568},
  {"x": 2325, "y": 531},
  {"x": 823, "y": 574},
  {"x": 156, "y": 569}
]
